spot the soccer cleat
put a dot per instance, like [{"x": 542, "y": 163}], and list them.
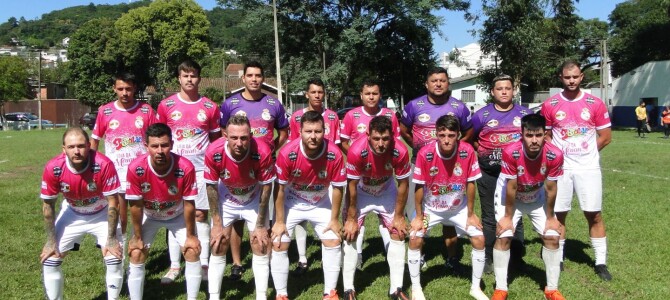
[
  {"x": 359, "y": 262},
  {"x": 281, "y": 297},
  {"x": 331, "y": 296},
  {"x": 477, "y": 293},
  {"x": 499, "y": 295},
  {"x": 349, "y": 295},
  {"x": 417, "y": 294},
  {"x": 603, "y": 273},
  {"x": 454, "y": 264},
  {"x": 236, "y": 272},
  {"x": 170, "y": 276},
  {"x": 205, "y": 271},
  {"x": 300, "y": 269},
  {"x": 553, "y": 295},
  {"x": 399, "y": 295}
]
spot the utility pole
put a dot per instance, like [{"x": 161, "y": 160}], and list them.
[
  {"x": 605, "y": 72},
  {"x": 279, "y": 90},
  {"x": 39, "y": 89}
]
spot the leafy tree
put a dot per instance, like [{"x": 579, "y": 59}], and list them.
[{"x": 14, "y": 80}]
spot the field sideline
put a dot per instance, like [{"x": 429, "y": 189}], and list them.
[{"x": 636, "y": 212}]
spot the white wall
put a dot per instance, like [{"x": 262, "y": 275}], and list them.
[{"x": 647, "y": 81}]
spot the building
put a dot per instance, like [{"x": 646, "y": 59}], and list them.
[
  {"x": 648, "y": 83},
  {"x": 466, "y": 60}
]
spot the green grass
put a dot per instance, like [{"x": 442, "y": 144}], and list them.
[{"x": 636, "y": 212}]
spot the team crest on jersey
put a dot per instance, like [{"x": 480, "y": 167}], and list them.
[
  {"x": 175, "y": 115},
  {"x": 523, "y": 113},
  {"x": 517, "y": 122},
  {"x": 521, "y": 171},
  {"x": 208, "y": 105},
  {"x": 590, "y": 100},
  {"x": 553, "y": 101},
  {"x": 430, "y": 156},
  {"x": 226, "y": 174},
  {"x": 322, "y": 174},
  {"x": 265, "y": 115},
  {"x": 217, "y": 157},
  {"x": 298, "y": 118},
  {"x": 364, "y": 153},
  {"x": 543, "y": 169},
  {"x": 331, "y": 117},
  {"x": 560, "y": 115},
  {"x": 255, "y": 156},
  {"x": 241, "y": 113},
  {"x": 114, "y": 124},
  {"x": 173, "y": 190},
  {"x": 454, "y": 104},
  {"x": 139, "y": 122},
  {"x": 485, "y": 114},
  {"x": 145, "y": 187},
  {"x": 424, "y": 118},
  {"x": 516, "y": 154},
  {"x": 107, "y": 111},
  {"x": 64, "y": 187},
  {"x": 296, "y": 173},
  {"x": 361, "y": 128},
  {"x": 492, "y": 123},
  {"x": 551, "y": 155},
  {"x": 367, "y": 166},
  {"x": 234, "y": 101},
  {"x": 91, "y": 187},
  {"x": 292, "y": 156},
  {"x": 356, "y": 115},
  {"x": 271, "y": 101},
  {"x": 463, "y": 154},
  {"x": 169, "y": 103},
  {"x": 433, "y": 171},
  {"x": 420, "y": 103},
  {"x": 388, "y": 166},
  {"x": 585, "y": 115},
  {"x": 252, "y": 174},
  {"x": 396, "y": 153},
  {"x": 202, "y": 115},
  {"x": 330, "y": 155},
  {"x": 144, "y": 110},
  {"x": 139, "y": 171},
  {"x": 179, "y": 173},
  {"x": 96, "y": 168},
  {"x": 457, "y": 169}
]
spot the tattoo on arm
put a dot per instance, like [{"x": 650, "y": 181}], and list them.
[
  {"x": 213, "y": 198},
  {"x": 263, "y": 206},
  {"x": 112, "y": 221},
  {"x": 48, "y": 209}
]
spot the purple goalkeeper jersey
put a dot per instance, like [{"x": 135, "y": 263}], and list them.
[
  {"x": 494, "y": 131},
  {"x": 265, "y": 115}
]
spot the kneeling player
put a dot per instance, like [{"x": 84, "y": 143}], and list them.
[
  {"x": 371, "y": 165},
  {"x": 245, "y": 169},
  {"x": 527, "y": 185},
  {"x": 161, "y": 192},
  {"x": 445, "y": 175}
]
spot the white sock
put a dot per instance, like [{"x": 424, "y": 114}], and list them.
[
  {"x": 561, "y": 245},
  {"x": 478, "y": 262},
  {"x": 174, "y": 250},
  {"x": 414, "y": 267},
  {"x": 136, "y": 281},
  {"x": 331, "y": 258},
  {"x": 203, "y": 236},
  {"x": 386, "y": 236},
  {"x": 217, "y": 264},
  {"x": 53, "y": 278},
  {"x": 114, "y": 276},
  {"x": 360, "y": 239},
  {"x": 396, "y": 261},
  {"x": 500, "y": 264},
  {"x": 279, "y": 270},
  {"x": 261, "y": 267},
  {"x": 349, "y": 265},
  {"x": 552, "y": 266},
  {"x": 600, "y": 247},
  {"x": 193, "y": 274},
  {"x": 301, "y": 242}
]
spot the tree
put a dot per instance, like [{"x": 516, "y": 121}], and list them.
[
  {"x": 14, "y": 80},
  {"x": 639, "y": 34}
]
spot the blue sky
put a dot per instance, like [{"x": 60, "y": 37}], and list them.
[{"x": 455, "y": 28}]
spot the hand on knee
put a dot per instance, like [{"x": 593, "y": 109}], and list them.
[{"x": 191, "y": 255}]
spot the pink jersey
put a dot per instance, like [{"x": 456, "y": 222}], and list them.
[
  {"x": 123, "y": 130},
  {"x": 84, "y": 191},
  {"x": 162, "y": 193},
  {"x": 530, "y": 174},
  {"x": 374, "y": 171},
  {"x": 574, "y": 125},
  {"x": 356, "y": 121},
  {"x": 191, "y": 124},
  {"x": 445, "y": 179},
  {"x": 242, "y": 179},
  {"x": 307, "y": 179},
  {"x": 331, "y": 130}
]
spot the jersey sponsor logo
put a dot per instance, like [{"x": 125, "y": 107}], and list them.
[
  {"x": 553, "y": 101},
  {"x": 364, "y": 153},
  {"x": 255, "y": 156},
  {"x": 517, "y": 120},
  {"x": 396, "y": 153},
  {"x": 417, "y": 171},
  {"x": 404, "y": 114},
  {"x": 298, "y": 118},
  {"x": 111, "y": 181},
  {"x": 516, "y": 154},
  {"x": 560, "y": 115},
  {"x": 217, "y": 157},
  {"x": 356, "y": 115},
  {"x": 322, "y": 174},
  {"x": 57, "y": 171},
  {"x": 372, "y": 181},
  {"x": 551, "y": 155},
  {"x": 308, "y": 187},
  {"x": 158, "y": 205},
  {"x": 420, "y": 103},
  {"x": 474, "y": 166},
  {"x": 107, "y": 111},
  {"x": 259, "y": 131},
  {"x": 293, "y": 156},
  {"x": 437, "y": 190},
  {"x": 271, "y": 101},
  {"x": 145, "y": 187},
  {"x": 202, "y": 115},
  {"x": 181, "y": 134},
  {"x": 44, "y": 185},
  {"x": 91, "y": 187},
  {"x": 367, "y": 166},
  {"x": 590, "y": 100},
  {"x": 179, "y": 173},
  {"x": 342, "y": 125},
  {"x": 361, "y": 128},
  {"x": 330, "y": 155},
  {"x": 126, "y": 141},
  {"x": 543, "y": 169},
  {"x": 234, "y": 101},
  {"x": 504, "y": 138},
  {"x": 139, "y": 171},
  {"x": 388, "y": 114},
  {"x": 485, "y": 114},
  {"x": 492, "y": 123},
  {"x": 463, "y": 154},
  {"x": 265, "y": 115},
  {"x": 433, "y": 171},
  {"x": 457, "y": 169},
  {"x": 331, "y": 117},
  {"x": 521, "y": 170},
  {"x": 64, "y": 187},
  {"x": 208, "y": 105},
  {"x": 424, "y": 118},
  {"x": 169, "y": 103},
  {"x": 96, "y": 168},
  {"x": 240, "y": 191},
  {"x": 566, "y": 133},
  {"x": 175, "y": 115},
  {"x": 585, "y": 115},
  {"x": 296, "y": 173},
  {"x": 454, "y": 104},
  {"x": 84, "y": 202},
  {"x": 606, "y": 115},
  {"x": 430, "y": 156},
  {"x": 525, "y": 188},
  {"x": 225, "y": 174},
  {"x": 114, "y": 124},
  {"x": 173, "y": 190},
  {"x": 144, "y": 110}
]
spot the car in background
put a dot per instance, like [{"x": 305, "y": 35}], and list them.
[
  {"x": 88, "y": 120},
  {"x": 25, "y": 120}
]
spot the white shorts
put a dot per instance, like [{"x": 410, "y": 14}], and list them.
[
  {"x": 175, "y": 226},
  {"x": 122, "y": 172},
  {"x": 383, "y": 205},
  {"x": 318, "y": 215},
  {"x": 248, "y": 213},
  {"x": 71, "y": 228},
  {"x": 410, "y": 207},
  {"x": 201, "y": 201},
  {"x": 587, "y": 184},
  {"x": 535, "y": 212},
  {"x": 457, "y": 219}
]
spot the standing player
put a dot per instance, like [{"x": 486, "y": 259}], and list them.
[
  {"x": 417, "y": 127},
  {"x": 245, "y": 170},
  {"x": 316, "y": 90},
  {"x": 372, "y": 164},
  {"x": 445, "y": 175},
  {"x": 266, "y": 114},
  {"x": 495, "y": 126},
  {"x": 354, "y": 126},
  {"x": 89, "y": 184},
  {"x": 161, "y": 191},
  {"x": 580, "y": 127},
  {"x": 194, "y": 123},
  {"x": 527, "y": 185},
  {"x": 305, "y": 168},
  {"x": 122, "y": 123}
]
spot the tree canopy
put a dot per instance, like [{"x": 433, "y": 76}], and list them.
[{"x": 13, "y": 82}]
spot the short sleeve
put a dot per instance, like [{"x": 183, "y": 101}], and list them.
[
  {"x": 133, "y": 191},
  {"x": 50, "y": 184},
  {"x": 509, "y": 166},
  {"x": 281, "y": 167},
  {"x": 407, "y": 117},
  {"x": 281, "y": 122},
  {"x": 225, "y": 114},
  {"x": 111, "y": 183},
  {"x": 189, "y": 185}
]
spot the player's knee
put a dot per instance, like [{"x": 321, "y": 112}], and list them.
[
  {"x": 477, "y": 242},
  {"x": 137, "y": 256},
  {"x": 503, "y": 243},
  {"x": 416, "y": 243},
  {"x": 191, "y": 255},
  {"x": 550, "y": 239},
  {"x": 331, "y": 243}
]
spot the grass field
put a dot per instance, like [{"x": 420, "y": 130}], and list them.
[{"x": 636, "y": 211}]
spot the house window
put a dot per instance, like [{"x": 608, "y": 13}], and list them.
[{"x": 468, "y": 95}]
